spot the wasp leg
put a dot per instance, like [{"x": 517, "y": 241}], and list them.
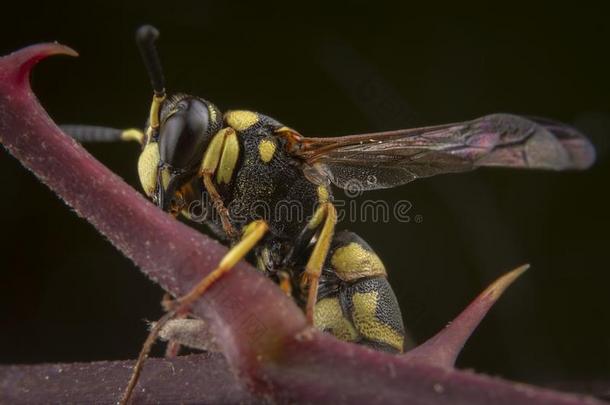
[
  {"x": 252, "y": 234},
  {"x": 356, "y": 302},
  {"x": 285, "y": 283},
  {"x": 219, "y": 205},
  {"x": 173, "y": 346},
  {"x": 220, "y": 159},
  {"x": 191, "y": 333},
  {"x": 325, "y": 216}
]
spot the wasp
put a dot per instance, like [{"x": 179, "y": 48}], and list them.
[{"x": 194, "y": 155}]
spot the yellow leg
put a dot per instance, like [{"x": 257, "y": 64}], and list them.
[
  {"x": 327, "y": 213},
  {"x": 252, "y": 234},
  {"x": 220, "y": 159}
]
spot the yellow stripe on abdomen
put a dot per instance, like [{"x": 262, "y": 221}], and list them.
[
  {"x": 368, "y": 324},
  {"x": 328, "y": 316}
]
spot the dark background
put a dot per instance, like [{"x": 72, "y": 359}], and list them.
[{"x": 68, "y": 295}]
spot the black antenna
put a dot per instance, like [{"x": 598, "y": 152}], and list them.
[
  {"x": 146, "y": 36},
  {"x": 88, "y": 133},
  {"x": 91, "y": 133}
]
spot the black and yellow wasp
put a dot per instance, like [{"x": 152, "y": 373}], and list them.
[{"x": 195, "y": 156}]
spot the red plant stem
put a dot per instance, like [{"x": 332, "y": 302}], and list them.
[
  {"x": 172, "y": 254},
  {"x": 169, "y": 381},
  {"x": 261, "y": 332}
]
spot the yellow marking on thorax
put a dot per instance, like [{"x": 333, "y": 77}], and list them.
[
  {"x": 353, "y": 261},
  {"x": 147, "y": 167},
  {"x": 328, "y": 316},
  {"x": 369, "y": 325},
  {"x": 241, "y": 120},
  {"x": 266, "y": 149}
]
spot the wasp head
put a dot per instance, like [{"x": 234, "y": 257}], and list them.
[{"x": 172, "y": 156}]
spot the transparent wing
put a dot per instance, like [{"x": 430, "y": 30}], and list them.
[{"x": 388, "y": 159}]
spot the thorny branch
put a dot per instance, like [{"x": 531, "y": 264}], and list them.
[{"x": 263, "y": 336}]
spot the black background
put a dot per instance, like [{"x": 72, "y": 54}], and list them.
[{"x": 67, "y": 295}]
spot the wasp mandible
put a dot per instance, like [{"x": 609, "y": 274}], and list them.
[{"x": 192, "y": 152}]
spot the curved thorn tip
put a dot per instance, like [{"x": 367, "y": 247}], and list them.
[
  {"x": 16, "y": 67},
  {"x": 495, "y": 290}
]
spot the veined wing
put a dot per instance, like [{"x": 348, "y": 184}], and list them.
[{"x": 388, "y": 159}]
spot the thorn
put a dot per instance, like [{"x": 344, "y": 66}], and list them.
[
  {"x": 497, "y": 288},
  {"x": 443, "y": 348},
  {"x": 17, "y": 65}
]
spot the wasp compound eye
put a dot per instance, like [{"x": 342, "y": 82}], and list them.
[{"x": 185, "y": 134}]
